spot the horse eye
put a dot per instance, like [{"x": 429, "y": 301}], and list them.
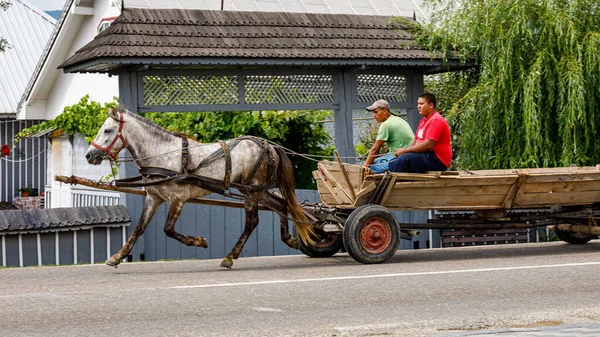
[{"x": 107, "y": 131}]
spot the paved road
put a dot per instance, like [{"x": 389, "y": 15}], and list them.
[{"x": 479, "y": 291}]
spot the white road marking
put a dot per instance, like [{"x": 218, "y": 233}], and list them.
[
  {"x": 266, "y": 309},
  {"x": 324, "y": 279}
]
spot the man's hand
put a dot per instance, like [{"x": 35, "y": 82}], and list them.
[{"x": 399, "y": 152}]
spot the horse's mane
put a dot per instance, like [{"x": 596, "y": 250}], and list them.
[{"x": 150, "y": 123}]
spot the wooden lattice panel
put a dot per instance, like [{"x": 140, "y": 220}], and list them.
[
  {"x": 289, "y": 89},
  {"x": 190, "y": 90},
  {"x": 370, "y": 88}
]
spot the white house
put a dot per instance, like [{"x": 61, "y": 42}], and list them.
[
  {"x": 51, "y": 90},
  {"x": 26, "y": 29}
]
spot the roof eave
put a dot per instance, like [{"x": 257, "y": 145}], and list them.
[{"x": 435, "y": 65}]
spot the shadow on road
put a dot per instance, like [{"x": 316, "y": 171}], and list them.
[{"x": 402, "y": 257}]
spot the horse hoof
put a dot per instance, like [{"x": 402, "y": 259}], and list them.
[
  {"x": 227, "y": 263},
  {"x": 113, "y": 262},
  {"x": 201, "y": 242}
]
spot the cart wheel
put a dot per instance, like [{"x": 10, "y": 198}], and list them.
[
  {"x": 574, "y": 238},
  {"x": 326, "y": 245},
  {"x": 371, "y": 234}
]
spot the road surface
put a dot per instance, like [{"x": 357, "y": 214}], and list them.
[{"x": 438, "y": 292}]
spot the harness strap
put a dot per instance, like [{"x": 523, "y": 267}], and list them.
[
  {"x": 185, "y": 154},
  {"x": 217, "y": 154},
  {"x": 211, "y": 184},
  {"x": 227, "y": 155},
  {"x": 118, "y": 136}
]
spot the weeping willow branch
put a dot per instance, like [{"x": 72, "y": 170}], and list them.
[{"x": 536, "y": 102}]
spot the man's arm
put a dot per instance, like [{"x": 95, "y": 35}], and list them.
[
  {"x": 374, "y": 152},
  {"x": 423, "y": 146}
]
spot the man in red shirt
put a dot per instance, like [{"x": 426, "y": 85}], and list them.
[{"x": 431, "y": 149}]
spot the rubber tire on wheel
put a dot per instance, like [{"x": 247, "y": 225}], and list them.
[
  {"x": 574, "y": 238},
  {"x": 327, "y": 246},
  {"x": 371, "y": 234}
]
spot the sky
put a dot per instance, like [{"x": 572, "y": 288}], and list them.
[{"x": 47, "y": 5}]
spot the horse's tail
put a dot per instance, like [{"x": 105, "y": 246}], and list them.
[{"x": 285, "y": 182}]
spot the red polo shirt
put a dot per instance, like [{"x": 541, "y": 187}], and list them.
[{"x": 436, "y": 128}]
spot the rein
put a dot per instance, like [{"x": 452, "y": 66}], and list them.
[{"x": 107, "y": 149}]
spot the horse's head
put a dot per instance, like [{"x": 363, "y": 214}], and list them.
[{"x": 109, "y": 141}]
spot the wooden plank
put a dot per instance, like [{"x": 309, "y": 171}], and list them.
[
  {"x": 588, "y": 176},
  {"x": 514, "y": 191},
  {"x": 324, "y": 194},
  {"x": 351, "y": 168},
  {"x": 355, "y": 172},
  {"x": 350, "y": 188},
  {"x": 328, "y": 187},
  {"x": 459, "y": 181},
  {"x": 340, "y": 192},
  {"x": 443, "y": 202},
  {"x": 556, "y": 199},
  {"x": 388, "y": 190},
  {"x": 562, "y": 187},
  {"x": 400, "y": 189},
  {"x": 364, "y": 194},
  {"x": 444, "y": 208},
  {"x": 530, "y": 171}
]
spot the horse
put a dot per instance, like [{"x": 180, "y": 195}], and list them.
[{"x": 177, "y": 169}]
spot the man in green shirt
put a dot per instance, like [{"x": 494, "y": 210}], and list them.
[{"x": 393, "y": 131}]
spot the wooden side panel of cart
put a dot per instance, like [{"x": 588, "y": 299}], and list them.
[{"x": 461, "y": 190}]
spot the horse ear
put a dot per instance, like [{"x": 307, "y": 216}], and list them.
[{"x": 112, "y": 112}]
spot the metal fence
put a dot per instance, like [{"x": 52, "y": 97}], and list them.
[{"x": 26, "y": 164}]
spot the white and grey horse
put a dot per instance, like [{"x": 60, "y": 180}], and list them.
[{"x": 248, "y": 163}]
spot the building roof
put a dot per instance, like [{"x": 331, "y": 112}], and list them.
[
  {"x": 29, "y": 220},
  {"x": 26, "y": 29},
  {"x": 154, "y": 34},
  {"x": 407, "y": 8}
]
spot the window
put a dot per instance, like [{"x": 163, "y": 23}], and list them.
[{"x": 105, "y": 23}]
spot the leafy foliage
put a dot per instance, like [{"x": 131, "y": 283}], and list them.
[
  {"x": 366, "y": 139},
  {"x": 449, "y": 89},
  {"x": 85, "y": 117},
  {"x": 299, "y": 131},
  {"x": 535, "y": 99}
]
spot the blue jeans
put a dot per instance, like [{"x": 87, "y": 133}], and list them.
[
  {"x": 380, "y": 164},
  {"x": 417, "y": 162}
]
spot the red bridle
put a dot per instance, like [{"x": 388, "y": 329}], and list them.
[{"x": 119, "y": 135}]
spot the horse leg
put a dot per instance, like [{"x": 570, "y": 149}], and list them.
[
  {"x": 151, "y": 204},
  {"x": 280, "y": 206},
  {"x": 251, "y": 208},
  {"x": 174, "y": 212}
]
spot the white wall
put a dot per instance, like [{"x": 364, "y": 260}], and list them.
[{"x": 69, "y": 88}]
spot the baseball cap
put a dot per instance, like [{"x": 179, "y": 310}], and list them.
[{"x": 379, "y": 104}]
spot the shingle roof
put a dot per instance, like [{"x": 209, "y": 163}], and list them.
[
  {"x": 179, "y": 33},
  {"x": 27, "y": 29},
  {"x": 53, "y": 218}
]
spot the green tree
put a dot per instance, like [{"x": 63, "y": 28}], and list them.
[
  {"x": 536, "y": 97},
  {"x": 3, "y": 42}
]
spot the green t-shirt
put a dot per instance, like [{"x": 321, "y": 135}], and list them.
[{"x": 396, "y": 132}]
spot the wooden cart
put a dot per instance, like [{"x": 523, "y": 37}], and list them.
[{"x": 354, "y": 211}]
